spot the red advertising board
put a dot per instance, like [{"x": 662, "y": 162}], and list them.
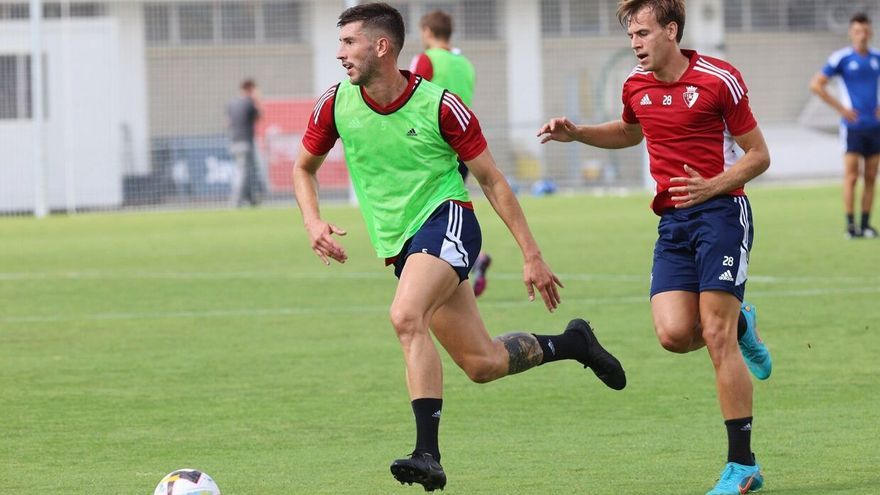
[{"x": 279, "y": 134}]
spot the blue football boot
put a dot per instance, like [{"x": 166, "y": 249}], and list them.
[
  {"x": 737, "y": 479},
  {"x": 754, "y": 351}
]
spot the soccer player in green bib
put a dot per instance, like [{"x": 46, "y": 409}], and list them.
[
  {"x": 440, "y": 63},
  {"x": 448, "y": 68},
  {"x": 402, "y": 136}
]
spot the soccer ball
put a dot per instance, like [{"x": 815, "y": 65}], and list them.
[{"x": 187, "y": 482}]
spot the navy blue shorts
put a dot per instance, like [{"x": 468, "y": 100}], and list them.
[
  {"x": 865, "y": 142},
  {"x": 452, "y": 233},
  {"x": 704, "y": 247}
]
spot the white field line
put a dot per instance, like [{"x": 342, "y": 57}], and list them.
[
  {"x": 342, "y": 274},
  {"x": 381, "y": 308}
]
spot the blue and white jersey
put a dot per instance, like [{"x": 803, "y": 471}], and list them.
[{"x": 858, "y": 75}]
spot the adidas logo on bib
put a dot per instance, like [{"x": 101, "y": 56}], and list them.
[{"x": 412, "y": 133}]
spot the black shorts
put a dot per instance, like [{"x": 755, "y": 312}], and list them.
[{"x": 451, "y": 233}]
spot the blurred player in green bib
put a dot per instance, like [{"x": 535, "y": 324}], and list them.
[{"x": 448, "y": 68}]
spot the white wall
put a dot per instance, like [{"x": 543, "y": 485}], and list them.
[
  {"x": 133, "y": 86},
  {"x": 525, "y": 76},
  {"x": 82, "y": 152},
  {"x": 326, "y": 70}
]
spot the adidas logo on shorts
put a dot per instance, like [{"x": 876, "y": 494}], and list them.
[{"x": 726, "y": 276}]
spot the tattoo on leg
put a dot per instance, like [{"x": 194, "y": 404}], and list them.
[{"x": 523, "y": 349}]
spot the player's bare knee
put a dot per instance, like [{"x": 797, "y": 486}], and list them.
[
  {"x": 718, "y": 336},
  {"x": 480, "y": 375},
  {"x": 675, "y": 344},
  {"x": 674, "y": 340},
  {"x": 479, "y": 370},
  {"x": 406, "y": 323}
]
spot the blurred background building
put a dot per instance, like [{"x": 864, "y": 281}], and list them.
[{"x": 134, "y": 92}]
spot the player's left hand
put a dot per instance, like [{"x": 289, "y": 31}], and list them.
[
  {"x": 696, "y": 189},
  {"x": 537, "y": 275}
]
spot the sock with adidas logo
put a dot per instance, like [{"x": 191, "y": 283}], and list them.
[
  {"x": 739, "y": 441},
  {"x": 567, "y": 345},
  {"x": 427, "y": 413}
]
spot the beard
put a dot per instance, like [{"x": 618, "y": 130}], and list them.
[{"x": 366, "y": 70}]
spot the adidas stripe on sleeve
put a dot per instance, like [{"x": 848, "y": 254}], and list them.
[
  {"x": 460, "y": 127},
  {"x": 321, "y": 133}
]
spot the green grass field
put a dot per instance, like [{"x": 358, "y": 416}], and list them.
[{"x": 135, "y": 344}]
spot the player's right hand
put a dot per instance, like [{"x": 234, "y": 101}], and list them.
[
  {"x": 537, "y": 275},
  {"x": 850, "y": 115},
  {"x": 559, "y": 129},
  {"x": 323, "y": 243}
]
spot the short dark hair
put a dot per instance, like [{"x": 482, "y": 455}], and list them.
[
  {"x": 248, "y": 84},
  {"x": 377, "y": 16},
  {"x": 860, "y": 17},
  {"x": 665, "y": 11},
  {"x": 439, "y": 23}
]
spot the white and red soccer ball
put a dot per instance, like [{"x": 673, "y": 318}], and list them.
[{"x": 187, "y": 482}]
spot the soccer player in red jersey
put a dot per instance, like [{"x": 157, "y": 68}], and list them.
[{"x": 691, "y": 109}]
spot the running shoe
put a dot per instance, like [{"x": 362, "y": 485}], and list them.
[
  {"x": 479, "y": 272},
  {"x": 603, "y": 364},
  {"x": 737, "y": 479},
  {"x": 419, "y": 468},
  {"x": 753, "y": 349}
]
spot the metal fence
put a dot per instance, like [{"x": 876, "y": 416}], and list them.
[{"x": 134, "y": 93}]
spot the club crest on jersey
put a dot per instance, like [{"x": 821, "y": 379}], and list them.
[{"x": 690, "y": 96}]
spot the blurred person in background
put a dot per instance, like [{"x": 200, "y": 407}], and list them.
[
  {"x": 691, "y": 109},
  {"x": 858, "y": 67},
  {"x": 448, "y": 68},
  {"x": 402, "y": 137},
  {"x": 242, "y": 114}
]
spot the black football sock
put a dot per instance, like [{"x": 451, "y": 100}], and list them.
[
  {"x": 739, "y": 441},
  {"x": 741, "y": 326},
  {"x": 866, "y": 217},
  {"x": 567, "y": 345},
  {"x": 850, "y": 220},
  {"x": 427, "y": 413}
]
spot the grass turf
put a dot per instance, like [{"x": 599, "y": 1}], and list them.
[{"x": 135, "y": 344}]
